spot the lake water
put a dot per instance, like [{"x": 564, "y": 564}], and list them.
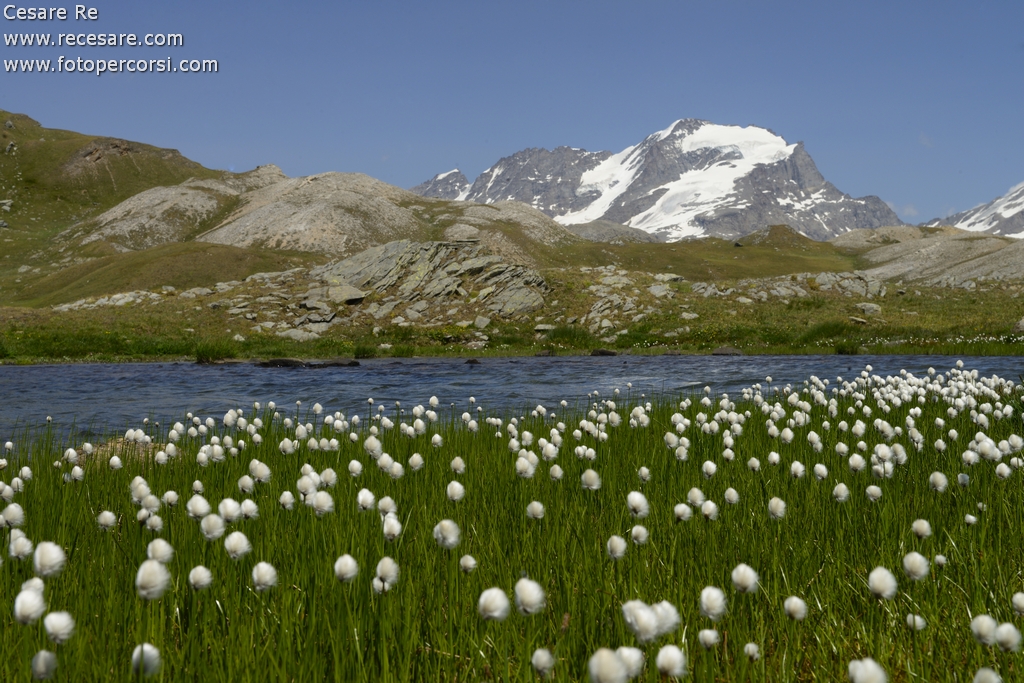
[{"x": 99, "y": 398}]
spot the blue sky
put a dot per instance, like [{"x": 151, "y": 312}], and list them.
[{"x": 919, "y": 102}]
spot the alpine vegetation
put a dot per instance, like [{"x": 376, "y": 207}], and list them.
[{"x": 851, "y": 528}]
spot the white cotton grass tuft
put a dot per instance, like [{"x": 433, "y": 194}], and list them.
[
  {"x": 795, "y": 608},
  {"x": 915, "y": 565},
  {"x": 752, "y": 651},
  {"x": 29, "y": 605},
  {"x": 682, "y": 512},
  {"x": 346, "y": 568},
  {"x": 882, "y": 583},
  {"x": 712, "y": 603},
  {"x": 236, "y": 544},
  {"x": 709, "y": 509},
  {"x": 667, "y": 616},
  {"x": 637, "y": 504},
  {"x": 987, "y": 675},
  {"x": 200, "y": 578},
  {"x": 695, "y": 497},
  {"x": 938, "y": 481},
  {"x": 732, "y": 496},
  {"x": 543, "y": 662},
  {"x": 708, "y": 638},
  {"x": 921, "y": 528},
  {"x": 744, "y": 579},
  {"x": 616, "y": 547},
  {"x": 146, "y": 659},
  {"x": 1017, "y": 601},
  {"x": 160, "y": 550},
  {"x": 535, "y": 510},
  {"x": 866, "y": 670},
  {"x": 494, "y": 605},
  {"x": 605, "y": 666},
  {"x": 841, "y": 493},
  {"x": 776, "y": 508},
  {"x": 633, "y": 659},
  {"x": 641, "y": 619},
  {"x": 467, "y": 563},
  {"x": 1008, "y": 637},
  {"x": 455, "y": 491},
  {"x": 984, "y": 629},
  {"x": 916, "y": 622},
  {"x": 556, "y": 473},
  {"x": 60, "y": 626},
  {"x": 447, "y": 534},
  {"x": 152, "y": 580},
  {"x": 13, "y": 515},
  {"x": 671, "y": 661},
  {"x": 365, "y": 499},
  {"x": 639, "y": 534},
  {"x": 387, "y": 575},
  {"x": 44, "y": 665},
  {"x": 323, "y": 503},
  {"x": 197, "y": 506},
  {"x": 48, "y": 559},
  {"x": 591, "y": 480},
  {"x": 20, "y": 546},
  {"x": 106, "y": 520},
  {"x": 530, "y": 597},
  {"x": 213, "y": 527},
  {"x": 264, "y": 577}
]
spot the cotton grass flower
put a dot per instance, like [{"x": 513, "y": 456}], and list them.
[
  {"x": 633, "y": 659},
  {"x": 200, "y": 578},
  {"x": 916, "y": 622},
  {"x": 915, "y": 565},
  {"x": 970, "y": 520},
  {"x": 556, "y": 473},
  {"x": 732, "y": 496},
  {"x": 921, "y": 528},
  {"x": 543, "y": 662},
  {"x": 709, "y": 509},
  {"x": 264, "y": 577},
  {"x": 671, "y": 661},
  {"x": 984, "y": 629},
  {"x": 841, "y": 493},
  {"x": 535, "y": 510},
  {"x": 1008, "y": 637},
  {"x": 873, "y": 493},
  {"x": 213, "y": 527},
  {"x": 346, "y": 568},
  {"x": 447, "y": 534},
  {"x": 44, "y": 665},
  {"x": 637, "y": 504},
  {"x": 882, "y": 583},
  {"x": 752, "y": 651},
  {"x": 639, "y": 534},
  {"x": 365, "y": 499},
  {"x": 682, "y": 512},
  {"x": 455, "y": 491},
  {"x": 287, "y": 500},
  {"x": 60, "y": 626},
  {"x": 12, "y": 516},
  {"x": 987, "y": 675},
  {"x": 197, "y": 506},
  {"x": 776, "y": 508},
  {"x": 616, "y": 547},
  {"x": 237, "y": 545},
  {"x": 605, "y": 666},
  {"x": 591, "y": 480},
  {"x": 29, "y": 605},
  {"x": 48, "y": 559},
  {"x": 467, "y": 563},
  {"x": 160, "y": 550},
  {"x": 938, "y": 481},
  {"x": 530, "y": 597},
  {"x": 866, "y": 670},
  {"x": 20, "y": 547},
  {"x": 152, "y": 580},
  {"x": 106, "y": 520},
  {"x": 708, "y": 638},
  {"x": 154, "y": 523},
  {"x": 322, "y": 503},
  {"x": 494, "y": 605},
  {"x": 387, "y": 575},
  {"x": 146, "y": 659},
  {"x": 1017, "y": 601},
  {"x": 795, "y": 608},
  {"x": 744, "y": 579},
  {"x": 712, "y": 603}
]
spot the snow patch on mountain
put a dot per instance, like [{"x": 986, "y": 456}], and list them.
[{"x": 1001, "y": 216}]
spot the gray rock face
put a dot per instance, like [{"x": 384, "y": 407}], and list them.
[
  {"x": 437, "y": 271},
  {"x": 1001, "y": 216},
  {"x": 450, "y": 185},
  {"x": 613, "y": 233},
  {"x": 694, "y": 178}
]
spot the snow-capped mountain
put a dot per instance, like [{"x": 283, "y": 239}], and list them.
[
  {"x": 694, "y": 178},
  {"x": 1001, "y": 216}
]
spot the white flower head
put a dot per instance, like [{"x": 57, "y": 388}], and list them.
[
  {"x": 882, "y": 583},
  {"x": 49, "y": 559},
  {"x": 152, "y": 580},
  {"x": 633, "y": 658},
  {"x": 984, "y": 629},
  {"x": 543, "y": 662},
  {"x": 494, "y": 605},
  {"x": 29, "y": 605},
  {"x": 44, "y": 664},
  {"x": 467, "y": 563},
  {"x": 616, "y": 547},
  {"x": 346, "y": 568},
  {"x": 795, "y": 608},
  {"x": 916, "y": 622},
  {"x": 530, "y": 597},
  {"x": 744, "y": 579},
  {"x": 708, "y": 638},
  {"x": 60, "y": 626},
  {"x": 605, "y": 666},
  {"x": 447, "y": 534},
  {"x": 237, "y": 545},
  {"x": 915, "y": 565},
  {"x": 146, "y": 659},
  {"x": 712, "y": 603},
  {"x": 200, "y": 578},
  {"x": 264, "y": 577},
  {"x": 671, "y": 661},
  {"x": 637, "y": 504},
  {"x": 866, "y": 670},
  {"x": 776, "y": 508}
]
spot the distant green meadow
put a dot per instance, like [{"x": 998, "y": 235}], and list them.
[{"x": 708, "y": 468}]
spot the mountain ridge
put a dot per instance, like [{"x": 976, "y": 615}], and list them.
[{"x": 692, "y": 179}]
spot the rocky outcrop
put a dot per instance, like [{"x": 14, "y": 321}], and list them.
[
  {"x": 450, "y": 185},
  {"x": 437, "y": 272},
  {"x": 1002, "y": 216}
]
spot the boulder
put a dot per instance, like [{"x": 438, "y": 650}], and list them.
[
  {"x": 1019, "y": 327},
  {"x": 345, "y": 294},
  {"x": 480, "y": 323},
  {"x": 543, "y": 328},
  {"x": 726, "y": 351},
  {"x": 869, "y": 309},
  {"x": 298, "y": 335}
]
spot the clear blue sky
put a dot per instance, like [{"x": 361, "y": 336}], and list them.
[{"x": 920, "y": 102}]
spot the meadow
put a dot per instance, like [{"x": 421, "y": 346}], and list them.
[{"x": 862, "y": 528}]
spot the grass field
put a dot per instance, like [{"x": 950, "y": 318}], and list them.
[{"x": 307, "y": 624}]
